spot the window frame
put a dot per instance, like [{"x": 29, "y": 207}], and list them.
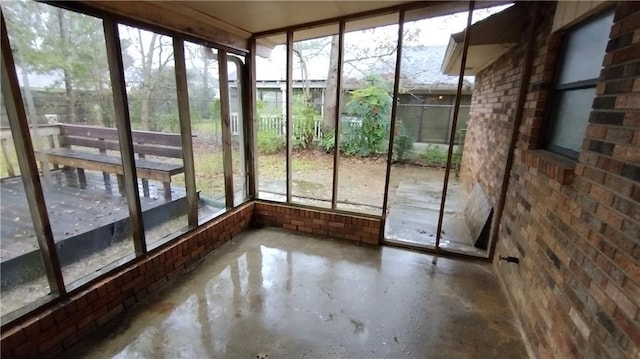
[{"x": 551, "y": 117}]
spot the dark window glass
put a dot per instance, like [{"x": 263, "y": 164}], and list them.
[{"x": 581, "y": 62}]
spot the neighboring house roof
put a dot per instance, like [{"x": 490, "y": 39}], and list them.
[{"x": 420, "y": 70}]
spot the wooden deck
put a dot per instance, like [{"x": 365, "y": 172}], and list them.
[{"x": 73, "y": 210}]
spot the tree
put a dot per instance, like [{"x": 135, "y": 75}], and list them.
[
  {"x": 49, "y": 40},
  {"x": 153, "y": 52},
  {"x": 360, "y": 57},
  {"x": 202, "y": 79}
]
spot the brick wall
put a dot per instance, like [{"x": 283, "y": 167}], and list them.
[
  {"x": 574, "y": 225},
  {"x": 334, "y": 225},
  {"x": 54, "y": 328},
  {"x": 493, "y": 107}
]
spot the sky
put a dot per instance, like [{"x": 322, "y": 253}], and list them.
[{"x": 431, "y": 32}]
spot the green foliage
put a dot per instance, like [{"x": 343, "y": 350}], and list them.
[
  {"x": 351, "y": 142},
  {"x": 372, "y": 106},
  {"x": 328, "y": 142},
  {"x": 402, "y": 143},
  {"x": 304, "y": 120},
  {"x": 269, "y": 142},
  {"x": 434, "y": 156}
]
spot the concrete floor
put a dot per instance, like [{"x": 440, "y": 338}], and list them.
[
  {"x": 270, "y": 292},
  {"x": 412, "y": 217}
]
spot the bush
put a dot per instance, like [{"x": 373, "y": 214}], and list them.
[
  {"x": 402, "y": 143},
  {"x": 269, "y": 142},
  {"x": 349, "y": 140},
  {"x": 328, "y": 142},
  {"x": 434, "y": 156},
  {"x": 372, "y": 105},
  {"x": 304, "y": 120}
]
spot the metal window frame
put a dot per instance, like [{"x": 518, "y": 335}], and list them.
[
  {"x": 454, "y": 122},
  {"x": 184, "y": 116},
  {"x": 125, "y": 139}
]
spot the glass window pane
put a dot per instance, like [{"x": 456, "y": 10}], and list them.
[
  {"x": 367, "y": 79},
  {"x": 424, "y": 118},
  {"x": 206, "y": 127},
  {"x": 237, "y": 132},
  {"x": 62, "y": 66},
  {"x": 23, "y": 277},
  {"x": 572, "y": 114},
  {"x": 153, "y": 110},
  {"x": 315, "y": 61},
  {"x": 271, "y": 158},
  {"x": 585, "y": 49}
]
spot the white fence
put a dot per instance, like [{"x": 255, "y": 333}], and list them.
[{"x": 276, "y": 124}]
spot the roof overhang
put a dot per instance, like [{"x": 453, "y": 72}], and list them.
[{"x": 489, "y": 39}]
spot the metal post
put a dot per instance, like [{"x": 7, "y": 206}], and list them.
[
  {"x": 289, "y": 111},
  {"x": 336, "y": 133},
  {"x": 249, "y": 102},
  {"x": 123, "y": 124},
  {"x": 185, "y": 131},
  {"x": 522, "y": 96},
  {"x": 243, "y": 126},
  {"x": 225, "y": 116},
  {"x": 394, "y": 112},
  {"x": 456, "y": 110}
]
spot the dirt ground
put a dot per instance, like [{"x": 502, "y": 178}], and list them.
[{"x": 360, "y": 180}]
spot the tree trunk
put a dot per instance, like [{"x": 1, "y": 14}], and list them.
[
  {"x": 70, "y": 95},
  {"x": 147, "y": 63},
  {"x": 144, "y": 108},
  {"x": 204, "y": 106},
  {"x": 304, "y": 73},
  {"x": 330, "y": 95}
]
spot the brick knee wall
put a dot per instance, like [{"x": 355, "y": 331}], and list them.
[
  {"x": 54, "y": 328},
  {"x": 341, "y": 226},
  {"x": 57, "y": 326}
]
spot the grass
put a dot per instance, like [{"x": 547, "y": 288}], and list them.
[
  {"x": 209, "y": 172},
  {"x": 206, "y": 127},
  {"x": 434, "y": 156},
  {"x": 13, "y": 160}
]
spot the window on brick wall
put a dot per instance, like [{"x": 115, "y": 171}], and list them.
[{"x": 584, "y": 47}]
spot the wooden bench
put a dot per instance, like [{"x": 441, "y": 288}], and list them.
[{"x": 85, "y": 148}]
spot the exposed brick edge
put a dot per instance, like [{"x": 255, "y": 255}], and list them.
[
  {"x": 53, "y": 329},
  {"x": 553, "y": 166},
  {"x": 335, "y": 225}
]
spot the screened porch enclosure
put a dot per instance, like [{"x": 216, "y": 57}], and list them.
[{"x": 149, "y": 134}]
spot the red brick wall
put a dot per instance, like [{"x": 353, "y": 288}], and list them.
[
  {"x": 574, "y": 224},
  {"x": 342, "y": 226},
  {"x": 54, "y": 328},
  {"x": 493, "y": 107}
]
